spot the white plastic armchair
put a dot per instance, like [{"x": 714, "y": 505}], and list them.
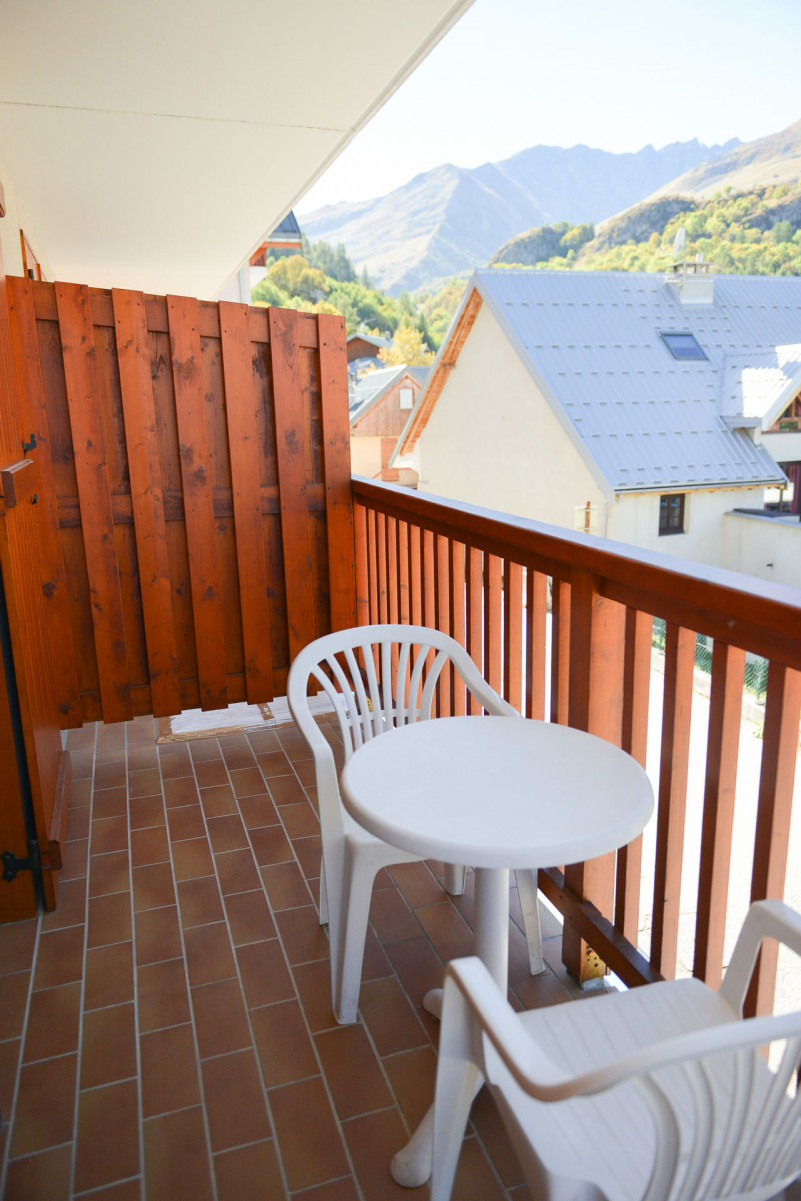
[
  {"x": 377, "y": 677},
  {"x": 657, "y": 1094}
]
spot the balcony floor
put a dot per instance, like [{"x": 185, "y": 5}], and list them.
[{"x": 166, "y": 1033}]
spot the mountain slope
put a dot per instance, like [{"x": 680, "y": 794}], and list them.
[
  {"x": 450, "y": 219},
  {"x": 770, "y": 160}
]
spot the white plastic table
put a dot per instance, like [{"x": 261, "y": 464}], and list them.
[{"x": 497, "y": 793}]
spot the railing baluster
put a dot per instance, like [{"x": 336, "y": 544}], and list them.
[
  {"x": 492, "y": 620},
  {"x": 673, "y": 769},
  {"x": 513, "y": 633},
  {"x": 725, "y": 715},
  {"x": 416, "y": 574},
  {"x": 536, "y": 600},
  {"x": 560, "y": 651},
  {"x": 475, "y": 616},
  {"x": 443, "y": 594},
  {"x": 381, "y": 549},
  {"x": 363, "y": 549},
  {"x": 636, "y": 689},
  {"x": 372, "y": 535},
  {"x": 458, "y": 616},
  {"x": 403, "y": 571}
]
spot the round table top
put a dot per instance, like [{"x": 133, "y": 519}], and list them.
[{"x": 497, "y": 792}]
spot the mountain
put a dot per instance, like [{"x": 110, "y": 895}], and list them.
[
  {"x": 450, "y": 219},
  {"x": 770, "y": 160}
]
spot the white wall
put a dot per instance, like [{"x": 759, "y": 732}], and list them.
[
  {"x": 764, "y": 547},
  {"x": 635, "y": 519},
  {"x": 493, "y": 439},
  {"x": 15, "y": 219}
]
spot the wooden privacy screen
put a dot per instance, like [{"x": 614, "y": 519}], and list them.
[{"x": 196, "y": 507}]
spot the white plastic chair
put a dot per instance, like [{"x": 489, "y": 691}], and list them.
[
  {"x": 354, "y": 667},
  {"x": 656, "y": 1093}
]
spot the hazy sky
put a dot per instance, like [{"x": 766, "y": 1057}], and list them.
[{"x": 514, "y": 73}]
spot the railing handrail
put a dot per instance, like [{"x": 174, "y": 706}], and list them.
[{"x": 756, "y": 615}]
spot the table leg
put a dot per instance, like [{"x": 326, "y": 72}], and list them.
[{"x": 411, "y": 1166}]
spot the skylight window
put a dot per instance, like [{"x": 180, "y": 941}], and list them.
[{"x": 683, "y": 346}]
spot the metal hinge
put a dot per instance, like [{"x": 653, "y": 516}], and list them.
[{"x": 48, "y": 861}]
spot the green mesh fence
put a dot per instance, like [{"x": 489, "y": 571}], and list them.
[{"x": 756, "y": 668}]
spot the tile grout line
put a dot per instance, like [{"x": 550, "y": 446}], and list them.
[{"x": 135, "y": 972}]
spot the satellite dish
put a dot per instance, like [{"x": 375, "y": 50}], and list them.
[{"x": 679, "y": 242}]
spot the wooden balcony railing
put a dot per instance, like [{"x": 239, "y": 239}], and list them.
[{"x": 519, "y": 594}]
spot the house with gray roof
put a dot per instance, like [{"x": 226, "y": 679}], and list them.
[
  {"x": 380, "y": 402},
  {"x": 638, "y": 406}
]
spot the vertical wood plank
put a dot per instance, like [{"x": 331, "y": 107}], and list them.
[
  {"x": 443, "y": 603},
  {"x": 536, "y": 601},
  {"x": 415, "y": 574},
  {"x": 361, "y": 550},
  {"x": 428, "y": 572},
  {"x": 290, "y": 437},
  {"x": 493, "y": 570},
  {"x": 393, "y": 571},
  {"x": 147, "y": 494},
  {"x": 725, "y": 714},
  {"x": 86, "y": 420},
  {"x": 372, "y": 564},
  {"x": 241, "y": 405},
  {"x": 560, "y": 651},
  {"x": 52, "y": 572},
  {"x": 774, "y": 810},
  {"x": 672, "y": 803},
  {"x": 475, "y": 615},
  {"x": 458, "y": 625},
  {"x": 513, "y": 633},
  {"x": 404, "y": 565},
  {"x": 336, "y": 453},
  {"x": 195, "y": 448},
  {"x": 381, "y": 558},
  {"x": 636, "y": 689}
]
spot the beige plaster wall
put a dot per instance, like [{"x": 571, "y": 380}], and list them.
[
  {"x": 635, "y": 519},
  {"x": 10, "y": 225},
  {"x": 764, "y": 547}
]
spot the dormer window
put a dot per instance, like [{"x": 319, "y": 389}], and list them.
[{"x": 683, "y": 346}]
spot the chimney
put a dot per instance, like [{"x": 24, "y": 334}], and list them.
[{"x": 692, "y": 281}]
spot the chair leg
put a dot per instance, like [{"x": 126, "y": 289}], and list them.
[
  {"x": 454, "y": 879},
  {"x": 527, "y": 891},
  {"x": 458, "y": 1080},
  {"x": 356, "y": 893},
  {"x": 323, "y": 895}
]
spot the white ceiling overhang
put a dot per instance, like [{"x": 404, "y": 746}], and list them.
[{"x": 154, "y": 144}]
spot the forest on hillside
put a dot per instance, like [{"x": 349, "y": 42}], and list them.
[{"x": 757, "y": 232}]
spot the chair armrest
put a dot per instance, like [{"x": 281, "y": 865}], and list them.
[
  {"x": 537, "y": 1074},
  {"x": 765, "y": 919}
]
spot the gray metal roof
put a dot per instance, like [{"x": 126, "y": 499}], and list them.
[
  {"x": 760, "y": 385},
  {"x": 368, "y": 389},
  {"x": 644, "y": 419}
]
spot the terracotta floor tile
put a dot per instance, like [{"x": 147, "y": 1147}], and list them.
[
  {"x": 249, "y": 1173},
  {"x": 306, "y": 773},
  {"x": 110, "y": 775},
  {"x": 417, "y": 884},
  {"x": 153, "y": 886},
  {"x": 74, "y": 859},
  {"x": 109, "y": 975},
  {"x": 163, "y": 995},
  {"x": 45, "y": 1105},
  {"x": 235, "y": 1104},
  {"x": 199, "y": 901},
  {"x": 208, "y": 953},
  {"x": 309, "y": 854},
  {"x": 487, "y": 1121},
  {"x": 449, "y": 934},
  {"x": 141, "y": 729},
  {"x": 246, "y": 781},
  {"x": 186, "y": 821},
  {"x": 54, "y": 1020},
  {"x": 417, "y": 966},
  {"x": 111, "y": 802},
  {"x": 313, "y": 982},
  {"x": 300, "y": 820},
  {"x": 17, "y": 940},
  {"x": 71, "y": 908},
  {"x": 391, "y": 917},
  {"x": 149, "y": 846},
  {"x": 191, "y": 858},
  {"x": 147, "y": 811},
  {"x": 144, "y": 783},
  {"x": 60, "y": 957},
  {"x": 273, "y": 763},
  {"x": 389, "y": 1017},
  {"x": 125, "y": 1190},
  {"x": 286, "y": 790},
  {"x": 227, "y": 833},
  {"x": 176, "y": 1157},
  {"x": 303, "y": 937},
  {"x": 80, "y": 793},
  {"x": 249, "y": 917},
  {"x": 79, "y": 822},
  {"x": 110, "y": 737},
  {"x": 13, "y": 1002},
  {"x": 236, "y": 752},
  {"x": 372, "y": 1141},
  {"x": 265, "y": 978},
  {"x": 82, "y": 764},
  {"x": 9, "y": 1062},
  {"x": 375, "y": 963},
  {"x": 271, "y": 845},
  {"x": 211, "y": 773},
  {"x": 202, "y": 750},
  {"x": 47, "y": 1175},
  {"x": 535, "y": 992},
  {"x": 307, "y": 1134},
  {"x": 237, "y": 872},
  {"x": 285, "y": 885},
  {"x": 334, "y": 1190},
  {"x": 158, "y": 935},
  {"x": 258, "y": 811},
  {"x": 286, "y": 1052},
  {"x": 218, "y": 800},
  {"x": 353, "y": 1091},
  {"x": 109, "y": 919},
  {"x": 262, "y": 741},
  {"x": 182, "y": 791},
  {"x": 108, "y": 873},
  {"x": 412, "y": 1074},
  {"x": 293, "y": 742},
  {"x": 108, "y": 1135},
  {"x": 170, "y": 1073},
  {"x": 141, "y": 757},
  {"x": 175, "y": 764},
  {"x": 220, "y": 1018},
  {"x": 109, "y": 1045}
]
